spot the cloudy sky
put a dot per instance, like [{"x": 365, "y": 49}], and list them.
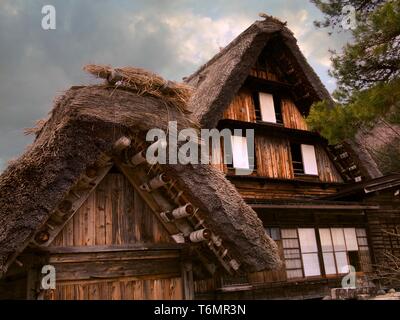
[{"x": 169, "y": 37}]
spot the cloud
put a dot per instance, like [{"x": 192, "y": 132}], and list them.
[
  {"x": 172, "y": 38},
  {"x": 198, "y": 37}
]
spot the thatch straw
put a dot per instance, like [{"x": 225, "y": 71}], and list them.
[{"x": 144, "y": 83}]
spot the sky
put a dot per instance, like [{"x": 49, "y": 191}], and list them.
[{"x": 170, "y": 37}]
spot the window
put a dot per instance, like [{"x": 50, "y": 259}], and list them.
[
  {"x": 309, "y": 252},
  {"x": 240, "y": 153},
  {"x": 340, "y": 247},
  {"x": 268, "y": 107},
  {"x": 297, "y": 159},
  {"x": 344, "y": 247},
  {"x": 309, "y": 159},
  {"x": 363, "y": 251},
  {"x": 291, "y": 253},
  {"x": 304, "y": 159},
  {"x": 273, "y": 233}
]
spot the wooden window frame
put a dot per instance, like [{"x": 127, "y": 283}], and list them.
[
  {"x": 296, "y": 163},
  {"x": 320, "y": 252},
  {"x": 277, "y": 107}
]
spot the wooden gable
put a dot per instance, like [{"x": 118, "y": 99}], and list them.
[{"x": 114, "y": 214}]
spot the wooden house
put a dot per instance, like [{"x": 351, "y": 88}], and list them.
[
  {"x": 326, "y": 207},
  {"x": 83, "y": 199}
]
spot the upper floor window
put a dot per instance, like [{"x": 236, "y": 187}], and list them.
[
  {"x": 268, "y": 107},
  {"x": 240, "y": 153},
  {"x": 304, "y": 159}
]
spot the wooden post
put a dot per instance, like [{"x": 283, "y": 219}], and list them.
[
  {"x": 187, "y": 277},
  {"x": 32, "y": 283}
]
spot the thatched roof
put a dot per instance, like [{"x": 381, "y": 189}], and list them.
[
  {"x": 219, "y": 79},
  {"x": 84, "y": 124}
]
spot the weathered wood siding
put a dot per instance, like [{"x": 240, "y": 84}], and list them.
[
  {"x": 108, "y": 250},
  {"x": 327, "y": 171},
  {"x": 114, "y": 214},
  {"x": 253, "y": 190},
  {"x": 273, "y": 157},
  {"x": 242, "y": 107},
  {"x": 130, "y": 274},
  {"x": 263, "y": 74},
  {"x": 292, "y": 117},
  {"x": 124, "y": 289}
]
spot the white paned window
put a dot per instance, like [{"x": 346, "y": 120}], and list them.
[
  {"x": 309, "y": 250},
  {"x": 291, "y": 252},
  {"x": 267, "y": 107},
  {"x": 326, "y": 240},
  {"x": 311, "y": 265},
  {"x": 347, "y": 247},
  {"x": 329, "y": 263},
  {"x": 240, "y": 153},
  {"x": 308, "y": 242},
  {"x": 309, "y": 159},
  {"x": 338, "y": 239},
  {"x": 351, "y": 239},
  {"x": 342, "y": 262},
  {"x": 289, "y": 233}
]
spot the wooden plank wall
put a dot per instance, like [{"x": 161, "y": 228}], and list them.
[
  {"x": 242, "y": 107},
  {"x": 292, "y": 117},
  {"x": 252, "y": 190},
  {"x": 114, "y": 214},
  {"x": 273, "y": 157},
  {"x": 263, "y": 74},
  {"x": 326, "y": 169},
  {"x": 120, "y": 289}
]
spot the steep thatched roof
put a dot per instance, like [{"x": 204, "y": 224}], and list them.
[
  {"x": 84, "y": 124},
  {"x": 219, "y": 79}
]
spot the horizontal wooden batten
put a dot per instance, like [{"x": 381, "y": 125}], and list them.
[
  {"x": 263, "y": 84},
  {"x": 295, "y": 182},
  {"x": 113, "y": 256},
  {"x": 108, "y": 269},
  {"x": 273, "y": 129},
  {"x": 116, "y": 248},
  {"x": 86, "y": 266},
  {"x": 314, "y": 207}
]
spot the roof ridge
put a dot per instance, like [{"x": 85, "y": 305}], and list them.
[{"x": 268, "y": 20}]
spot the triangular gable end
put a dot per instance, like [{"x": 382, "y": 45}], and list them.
[
  {"x": 76, "y": 148},
  {"x": 235, "y": 62},
  {"x": 144, "y": 197},
  {"x": 113, "y": 215}
]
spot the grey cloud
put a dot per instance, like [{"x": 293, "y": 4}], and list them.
[{"x": 37, "y": 65}]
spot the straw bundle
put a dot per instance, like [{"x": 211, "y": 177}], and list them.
[{"x": 144, "y": 83}]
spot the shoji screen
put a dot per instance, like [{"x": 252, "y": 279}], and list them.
[{"x": 309, "y": 252}]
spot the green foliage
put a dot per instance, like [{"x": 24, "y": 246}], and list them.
[
  {"x": 342, "y": 121},
  {"x": 374, "y": 55},
  {"x": 333, "y": 10}
]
